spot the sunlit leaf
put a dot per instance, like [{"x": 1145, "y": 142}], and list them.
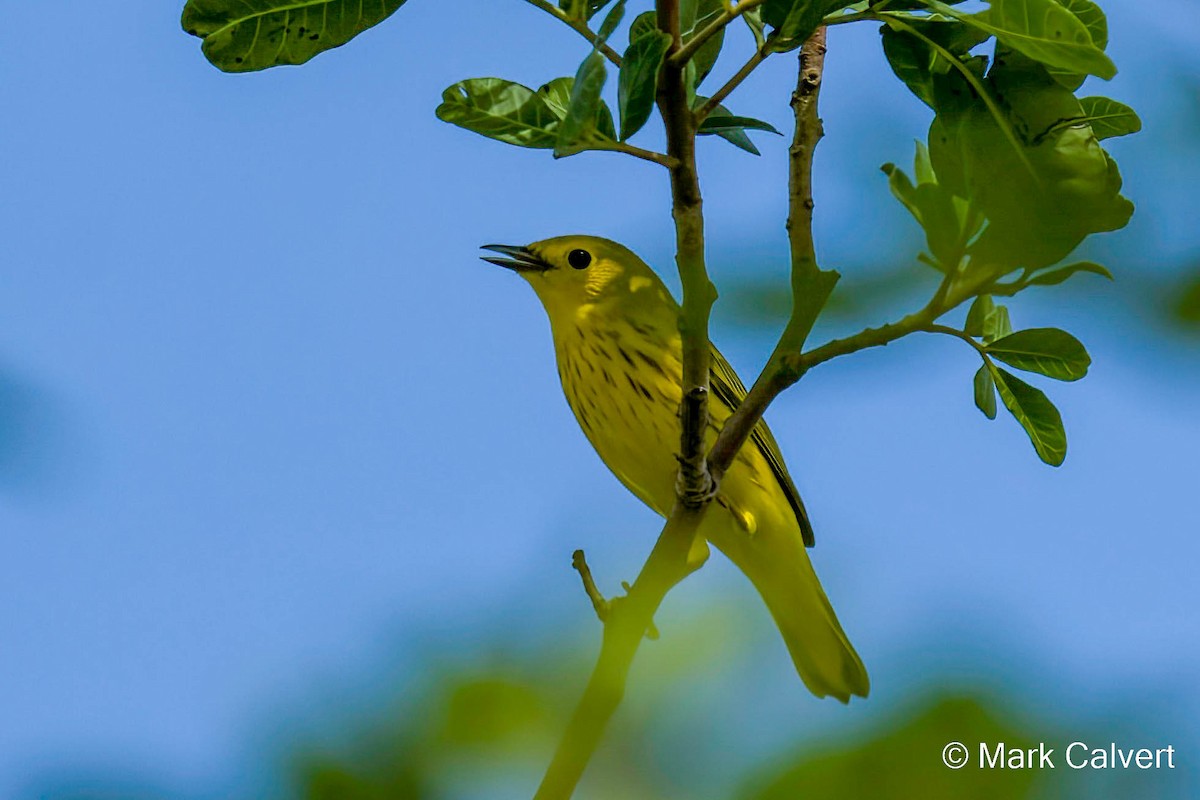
[
  {"x": 1044, "y": 30},
  {"x": 1036, "y": 414},
  {"x": 1092, "y": 16},
  {"x": 502, "y": 110},
  {"x": 1046, "y": 351},
  {"x": 996, "y": 325},
  {"x": 1109, "y": 118},
  {"x": 249, "y": 35},
  {"x": 985, "y": 392}
]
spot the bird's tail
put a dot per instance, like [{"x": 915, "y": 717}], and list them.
[{"x": 778, "y": 566}]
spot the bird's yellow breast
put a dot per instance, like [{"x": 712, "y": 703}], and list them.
[{"x": 622, "y": 378}]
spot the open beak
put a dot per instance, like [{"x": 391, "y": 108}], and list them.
[{"x": 520, "y": 259}]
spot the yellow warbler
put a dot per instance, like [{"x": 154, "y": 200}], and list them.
[{"x": 616, "y": 337}]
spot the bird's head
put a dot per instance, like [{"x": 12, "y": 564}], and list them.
[{"x": 577, "y": 274}]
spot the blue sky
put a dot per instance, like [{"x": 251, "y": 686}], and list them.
[{"x": 265, "y": 420}]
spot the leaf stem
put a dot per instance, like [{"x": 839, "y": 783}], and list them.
[
  {"x": 662, "y": 159},
  {"x": 966, "y": 337},
  {"x": 684, "y": 54},
  {"x": 760, "y": 55},
  {"x": 577, "y": 25}
]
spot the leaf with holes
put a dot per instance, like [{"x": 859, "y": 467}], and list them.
[
  {"x": 249, "y": 35},
  {"x": 1092, "y": 17},
  {"x": 1036, "y": 414},
  {"x": 501, "y": 110},
  {"x": 1046, "y": 351}
]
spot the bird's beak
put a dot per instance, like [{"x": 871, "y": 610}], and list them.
[{"x": 521, "y": 259}]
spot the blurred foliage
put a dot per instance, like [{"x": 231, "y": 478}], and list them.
[
  {"x": 902, "y": 759},
  {"x": 470, "y": 726}
]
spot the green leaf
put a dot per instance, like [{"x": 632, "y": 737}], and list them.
[
  {"x": 732, "y": 128},
  {"x": 249, "y": 35},
  {"x": 1044, "y": 30},
  {"x": 706, "y": 11},
  {"x": 996, "y": 325},
  {"x": 611, "y": 20},
  {"x": 557, "y": 95},
  {"x": 1108, "y": 118},
  {"x": 582, "y": 9},
  {"x": 940, "y": 220},
  {"x": 795, "y": 20},
  {"x": 1044, "y": 191},
  {"x": 637, "y": 83},
  {"x": 714, "y": 123},
  {"x": 580, "y": 129},
  {"x": 643, "y": 24},
  {"x": 933, "y": 207},
  {"x": 502, "y": 110},
  {"x": 1036, "y": 414},
  {"x": 1057, "y": 276},
  {"x": 980, "y": 310},
  {"x": 1046, "y": 351},
  {"x": 903, "y": 189},
  {"x": 915, "y": 61},
  {"x": 985, "y": 392},
  {"x": 1092, "y": 17},
  {"x": 923, "y": 166}
]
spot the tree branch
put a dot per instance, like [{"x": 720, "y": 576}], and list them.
[
  {"x": 577, "y": 25},
  {"x": 627, "y": 621},
  {"x": 629, "y": 618},
  {"x": 811, "y": 286}
]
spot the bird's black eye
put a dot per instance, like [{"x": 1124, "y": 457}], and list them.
[{"x": 579, "y": 259}]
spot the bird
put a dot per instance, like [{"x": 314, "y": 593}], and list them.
[{"x": 615, "y": 327}]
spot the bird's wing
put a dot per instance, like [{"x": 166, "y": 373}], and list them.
[{"x": 730, "y": 390}]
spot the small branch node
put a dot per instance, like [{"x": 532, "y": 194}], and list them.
[{"x": 601, "y": 605}]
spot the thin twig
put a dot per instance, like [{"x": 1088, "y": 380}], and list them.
[
  {"x": 662, "y": 159},
  {"x": 579, "y": 562},
  {"x": 948, "y": 331},
  {"x": 811, "y": 285},
  {"x": 710, "y": 105},
  {"x": 578, "y": 26}
]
